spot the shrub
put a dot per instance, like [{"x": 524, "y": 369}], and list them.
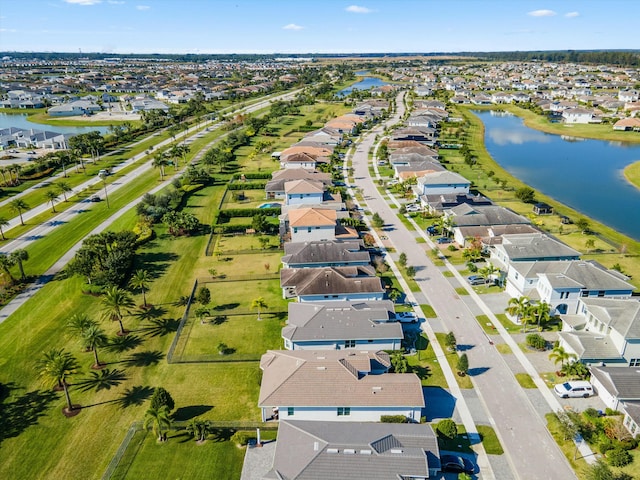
[
  {"x": 619, "y": 457},
  {"x": 473, "y": 268},
  {"x": 605, "y": 445},
  {"x": 526, "y": 195},
  {"x": 162, "y": 398},
  {"x": 447, "y": 428},
  {"x": 203, "y": 296},
  {"x": 463, "y": 364},
  {"x": 608, "y": 411},
  {"x": 241, "y": 437},
  {"x": 393, "y": 419},
  {"x": 452, "y": 248},
  {"x": 536, "y": 341}
]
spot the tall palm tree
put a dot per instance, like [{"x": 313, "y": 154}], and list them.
[
  {"x": 3, "y": 223},
  {"x": 159, "y": 421},
  {"x": 260, "y": 304},
  {"x": 79, "y": 323},
  {"x": 6, "y": 262},
  {"x": 140, "y": 281},
  {"x": 559, "y": 354},
  {"x": 64, "y": 188},
  {"x": 19, "y": 256},
  {"x": 115, "y": 303},
  {"x": 19, "y": 205},
  {"x": 52, "y": 196},
  {"x": 519, "y": 308},
  {"x": 55, "y": 367},
  {"x": 92, "y": 338},
  {"x": 159, "y": 161},
  {"x": 3, "y": 172},
  {"x": 540, "y": 314}
]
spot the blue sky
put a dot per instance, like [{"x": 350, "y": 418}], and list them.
[{"x": 322, "y": 26}]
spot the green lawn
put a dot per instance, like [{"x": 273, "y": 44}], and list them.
[
  {"x": 460, "y": 443},
  {"x": 525, "y": 381},
  {"x": 428, "y": 311},
  {"x": 632, "y": 173},
  {"x": 452, "y": 358},
  {"x": 490, "y": 440},
  {"x": 426, "y": 366},
  {"x": 150, "y": 459}
]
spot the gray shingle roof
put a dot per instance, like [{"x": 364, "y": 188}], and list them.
[
  {"x": 621, "y": 315},
  {"x": 310, "y": 253},
  {"x": 623, "y": 383},
  {"x": 331, "y": 280},
  {"x": 591, "y": 346},
  {"x": 535, "y": 246},
  {"x": 341, "y": 320},
  {"x": 345, "y": 450},
  {"x": 466, "y": 216}
]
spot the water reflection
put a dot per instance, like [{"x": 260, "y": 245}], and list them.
[{"x": 586, "y": 175}]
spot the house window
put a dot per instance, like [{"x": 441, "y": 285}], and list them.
[
  {"x": 601, "y": 293},
  {"x": 634, "y": 362},
  {"x": 290, "y": 411},
  {"x": 349, "y": 344},
  {"x": 584, "y": 293},
  {"x": 344, "y": 411},
  {"x": 295, "y": 229}
]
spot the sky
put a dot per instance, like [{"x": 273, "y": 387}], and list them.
[{"x": 316, "y": 26}]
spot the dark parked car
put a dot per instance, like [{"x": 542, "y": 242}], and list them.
[
  {"x": 432, "y": 230},
  {"x": 453, "y": 463},
  {"x": 95, "y": 198},
  {"x": 442, "y": 240}
]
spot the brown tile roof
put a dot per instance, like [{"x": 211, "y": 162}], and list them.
[
  {"x": 335, "y": 378},
  {"x": 312, "y": 217}
]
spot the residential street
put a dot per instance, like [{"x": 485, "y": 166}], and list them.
[{"x": 529, "y": 448}]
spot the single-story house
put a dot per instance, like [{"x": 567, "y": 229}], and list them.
[
  {"x": 339, "y": 325},
  {"x": 316, "y": 254},
  {"x": 444, "y": 182},
  {"x": 357, "y": 450},
  {"x": 275, "y": 187},
  {"x": 331, "y": 283},
  {"x": 336, "y": 385}
]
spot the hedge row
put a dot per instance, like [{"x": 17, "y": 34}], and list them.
[
  {"x": 249, "y": 212},
  {"x": 254, "y": 175},
  {"x": 247, "y": 186}
]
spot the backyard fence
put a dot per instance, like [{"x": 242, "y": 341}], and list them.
[
  {"x": 122, "y": 449},
  {"x": 183, "y": 320}
]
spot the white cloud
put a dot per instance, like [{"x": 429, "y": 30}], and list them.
[
  {"x": 115, "y": 2},
  {"x": 8, "y": 30},
  {"x": 572, "y": 14},
  {"x": 542, "y": 13},
  {"x": 292, "y": 26},
  {"x": 358, "y": 9},
  {"x": 143, "y": 7},
  {"x": 83, "y": 2}
]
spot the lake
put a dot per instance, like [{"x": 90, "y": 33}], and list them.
[
  {"x": 19, "y": 120},
  {"x": 365, "y": 84},
  {"x": 584, "y": 174}
]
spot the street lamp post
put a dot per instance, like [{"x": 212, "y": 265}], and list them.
[{"x": 104, "y": 183}]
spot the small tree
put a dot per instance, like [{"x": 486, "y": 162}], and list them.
[
  {"x": 411, "y": 271},
  {"x": 377, "y": 221},
  {"x": 583, "y": 225},
  {"x": 199, "y": 429},
  {"x": 223, "y": 348},
  {"x": 402, "y": 260},
  {"x": 264, "y": 242},
  {"x": 162, "y": 398},
  {"x": 463, "y": 365},
  {"x": 260, "y": 304},
  {"x": 590, "y": 244},
  {"x": 51, "y": 196},
  {"x": 559, "y": 354},
  {"x": 567, "y": 427},
  {"x": 447, "y": 428},
  {"x": 619, "y": 457},
  {"x": 203, "y": 296},
  {"x": 159, "y": 421},
  {"x": 140, "y": 281},
  {"x": 526, "y": 195},
  {"x": 450, "y": 341},
  {"x": 400, "y": 363}
]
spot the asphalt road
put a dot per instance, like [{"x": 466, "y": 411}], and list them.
[{"x": 531, "y": 451}]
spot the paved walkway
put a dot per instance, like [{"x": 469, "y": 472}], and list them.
[
  {"x": 529, "y": 448},
  {"x": 64, "y": 217}
]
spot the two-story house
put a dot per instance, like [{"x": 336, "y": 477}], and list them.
[{"x": 316, "y": 254}]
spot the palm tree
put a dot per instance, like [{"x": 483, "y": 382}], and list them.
[
  {"x": 18, "y": 256},
  {"x": 115, "y": 303},
  {"x": 64, "y": 188},
  {"x": 6, "y": 262},
  {"x": 19, "y": 205},
  {"x": 519, "y": 308},
  {"x": 260, "y": 304},
  {"x": 158, "y": 419},
  {"x": 140, "y": 281},
  {"x": 94, "y": 337},
  {"x": 52, "y": 197},
  {"x": 540, "y": 313},
  {"x": 559, "y": 354},
  {"x": 159, "y": 161},
  {"x": 199, "y": 429},
  {"x": 54, "y": 367},
  {"x": 3, "y": 223},
  {"x": 79, "y": 323}
]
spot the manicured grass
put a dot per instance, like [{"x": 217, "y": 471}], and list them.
[
  {"x": 168, "y": 460},
  {"x": 460, "y": 443},
  {"x": 508, "y": 324},
  {"x": 567, "y": 446},
  {"x": 428, "y": 310},
  {"x": 447, "y": 273},
  {"x": 486, "y": 324},
  {"x": 452, "y": 358},
  {"x": 525, "y": 381},
  {"x": 490, "y": 440},
  {"x": 461, "y": 291},
  {"x": 632, "y": 173},
  {"x": 425, "y": 365},
  {"x": 503, "y": 348}
]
